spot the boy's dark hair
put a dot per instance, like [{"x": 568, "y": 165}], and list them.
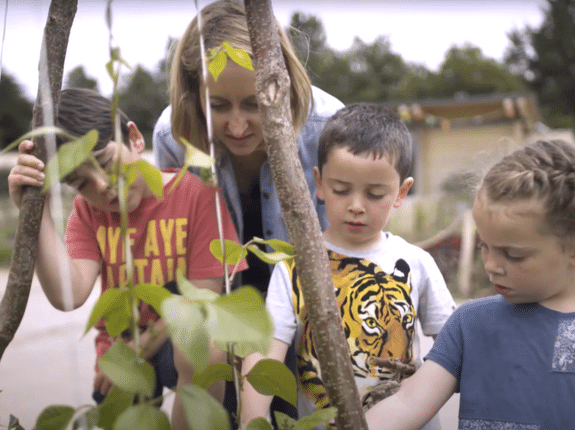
[
  {"x": 81, "y": 110},
  {"x": 368, "y": 128}
]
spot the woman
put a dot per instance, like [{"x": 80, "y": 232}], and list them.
[{"x": 244, "y": 174}]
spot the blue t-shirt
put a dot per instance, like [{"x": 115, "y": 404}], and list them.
[{"x": 514, "y": 364}]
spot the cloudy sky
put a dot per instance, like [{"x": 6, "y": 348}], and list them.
[{"x": 420, "y": 30}]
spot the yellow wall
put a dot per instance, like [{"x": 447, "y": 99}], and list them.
[{"x": 442, "y": 153}]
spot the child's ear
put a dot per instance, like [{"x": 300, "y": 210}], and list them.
[
  {"x": 317, "y": 177},
  {"x": 403, "y": 190},
  {"x": 136, "y": 139}
]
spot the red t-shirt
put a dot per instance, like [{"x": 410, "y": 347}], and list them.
[{"x": 165, "y": 235}]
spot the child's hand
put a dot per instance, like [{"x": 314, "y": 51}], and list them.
[
  {"x": 102, "y": 383},
  {"x": 28, "y": 171}
]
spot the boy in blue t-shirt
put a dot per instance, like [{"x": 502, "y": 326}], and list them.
[{"x": 511, "y": 356}]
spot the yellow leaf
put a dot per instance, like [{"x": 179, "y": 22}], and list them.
[
  {"x": 216, "y": 66},
  {"x": 241, "y": 58}
]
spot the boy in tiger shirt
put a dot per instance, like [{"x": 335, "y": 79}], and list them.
[{"x": 383, "y": 284}]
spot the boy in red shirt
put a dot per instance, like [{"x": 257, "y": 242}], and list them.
[{"x": 166, "y": 235}]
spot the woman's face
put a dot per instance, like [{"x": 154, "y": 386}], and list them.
[{"x": 236, "y": 120}]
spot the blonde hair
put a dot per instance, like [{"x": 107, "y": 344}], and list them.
[
  {"x": 544, "y": 170},
  {"x": 223, "y": 21}
]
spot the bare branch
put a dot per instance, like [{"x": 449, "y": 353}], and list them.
[
  {"x": 54, "y": 45},
  {"x": 272, "y": 92}
]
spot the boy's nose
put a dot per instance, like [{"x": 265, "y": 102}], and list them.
[
  {"x": 491, "y": 264},
  {"x": 102, "y": 184},
  {"x": 356, "y": 204}
]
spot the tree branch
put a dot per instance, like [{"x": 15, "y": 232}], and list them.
[
  {"x": 54, "y": 45},
  {"x": 272, "y": 92}
]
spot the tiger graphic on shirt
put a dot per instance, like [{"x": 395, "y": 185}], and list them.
[{"x": 378, "y": 319}]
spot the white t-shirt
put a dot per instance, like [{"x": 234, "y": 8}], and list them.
[{"x": 381, "y": 293}]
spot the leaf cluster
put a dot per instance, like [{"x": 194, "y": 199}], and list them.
[
  {"x": 218, "y": 58},
  {"x": 194, "y": 318}
]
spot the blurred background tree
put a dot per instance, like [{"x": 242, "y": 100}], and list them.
[
  {"x": 15, "y": 110},
  {"x": 539, "y": 60},
  {"x": 466, "y": 70},
  {"x": 373, "y": 72},
  {"x": 143, "y": 98},
  {"x": 545, "y": 57},
  {"x": 77, "y": 78}
]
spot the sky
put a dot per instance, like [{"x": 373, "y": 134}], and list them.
[{"x": 421, "y": 31}]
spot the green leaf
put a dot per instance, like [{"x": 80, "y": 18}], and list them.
[
  {"x": 70, "y": 156},
  {"x": 241, "y": 318},
  {"x": 88, "y": 420},
  {"x": 213, "y": 373},
  {"x": 259, "y": 424},
  {"x": 152, "y": 176},
  {"x": 186, "y": 325},
  {"x": 238, "y": 56},
  {"x": 54, "y": 418},
  {"x": 179, "y": 177},
  {"x": 217, "y": 64},
  {"x": 283, "y": 250},
  {"x": 212, "y": 416},
  {"x": 37, "y": 132},
  {"x": 153, "y": 295},
  {"x": 116, "y": 56},
  {"x": 130, "y": 172},
  {"x": 269, "y": 257},
  {"x": 14, "y": 424},
  {"x": 116, "y": 402},
  {"x": 319, "y": 416},
  {"x": 114, "y": 306},
  {"x": 127, "y": 371},
  {"x": 284, "y": 421},
  {"x": 277, "y": 245},
  {"x": 234, "y": 251},
  {"x": 142, "y": 417},
  {"x": 195, "y": 157},
  {"x": 207, "y": 177},
  {"x": 272, "y": 378},
  {"x": 191, "y": 292},
  {"x": 111, "y": 72},
  {"x": 117, "y": 319}
]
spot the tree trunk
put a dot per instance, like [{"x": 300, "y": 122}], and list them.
[
  {"x": 54, "y": 45},
  {"x": 272, "y": 92}
]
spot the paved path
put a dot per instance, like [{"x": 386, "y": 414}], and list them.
[
  {"x": 48, "y": 361},
  {"x": 51, "y": 362}
]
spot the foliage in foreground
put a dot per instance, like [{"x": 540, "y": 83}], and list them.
[{"x": 237, "y": 322}]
